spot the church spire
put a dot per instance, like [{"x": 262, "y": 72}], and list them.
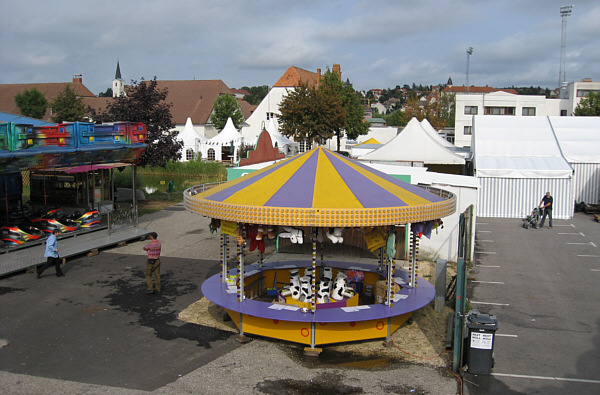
[
  {"x": 118, "y": 87},
  {"x": 118, "y": 73}
]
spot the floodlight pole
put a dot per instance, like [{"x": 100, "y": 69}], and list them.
[
  {"x": 469, "y": 53},
  {"x": 565, "y": 11}
]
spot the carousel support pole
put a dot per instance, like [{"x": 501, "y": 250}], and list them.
[
  {"x": 224, "y": 247},
  {"x": 313, "y": 282},
  {"x": 416, "y": 260},
  {"x": 241, "y": 291},
  {"x": 390, "y": 285},
  {"x": 413, "y": 255},
  {"x": 312, "y": 351}
]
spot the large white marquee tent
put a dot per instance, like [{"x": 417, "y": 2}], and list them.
[
  {"x": 415, "y": 144},
  {"x": 579, "y": 141},
  {"x": 517, "y": 160}
]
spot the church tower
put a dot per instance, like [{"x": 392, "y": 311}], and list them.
[{"x": 118, "y": 87}]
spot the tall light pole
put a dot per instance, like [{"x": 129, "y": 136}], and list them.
[
  {"x": 469, "y": 53},
  {"x": 565, "y": 11}
]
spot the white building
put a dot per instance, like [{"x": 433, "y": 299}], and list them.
[
  {"x": 575, "y": 92},
  {"x": 505, "y": 103},
  {"x": 497, "y": 103}
]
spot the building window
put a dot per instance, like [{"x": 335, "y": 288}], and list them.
[
  {"x": 470, "y": 110},
  {"x": 499, "y": 111},
  {"x": 468, "y": 130},
  {"x": 189, "y": 154},
  {"x": 271, "y": 115},
  {"x": 563, "y": 113},
  {"x": 211, "y": 154},
  {"x": 585, "y": 92},
  {"x": 528, "y": 111}
]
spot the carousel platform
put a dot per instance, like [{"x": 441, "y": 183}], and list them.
[
  {"x": 14, "y": 259},
  {"x": 323, "y": 326}
]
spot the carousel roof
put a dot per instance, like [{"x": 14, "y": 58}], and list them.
[{"x": 321, "y": 188}]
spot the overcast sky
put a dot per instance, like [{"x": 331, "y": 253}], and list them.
[{"x": 379, "y": 44}]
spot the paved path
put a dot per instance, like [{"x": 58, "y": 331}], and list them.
[
  {"x": 96, "y": 332},
  {"x": 543, "y": 287}
]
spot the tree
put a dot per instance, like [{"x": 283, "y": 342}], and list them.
[
  {"x": 302, "y": 115},
  {"x": 333, "y": 96},
  {"x": 226, "y": 106},
  {"x": 257, "y": 93},
  {"x": 146, "y": 103},
  {"x": 32, "y": 103},
  {"x": 67, "y": 107},
  {"x": 107, "y": 93},
  {"x": 317, "y": 114},
  {"x": 589, "y": 106}
]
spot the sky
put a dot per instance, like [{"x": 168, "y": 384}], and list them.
[{"x": 378, "y": 43}]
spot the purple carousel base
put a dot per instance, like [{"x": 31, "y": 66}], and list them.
[{"x": 217, "y": 292}]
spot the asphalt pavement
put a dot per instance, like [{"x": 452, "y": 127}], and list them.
[
  {"x": 543, "y": 287},
  {"x": 95, "y": 331}
]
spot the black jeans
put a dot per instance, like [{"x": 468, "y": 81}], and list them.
[{"x": 51, "y": 262}]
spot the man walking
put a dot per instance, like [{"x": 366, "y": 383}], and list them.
[
  {"x": 51, "y": 254},
  {"x": 153, "y": 264},
  {"x": 546, "y": 205}
]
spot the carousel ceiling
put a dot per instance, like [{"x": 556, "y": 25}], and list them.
[{"x": 324, "y": 189}]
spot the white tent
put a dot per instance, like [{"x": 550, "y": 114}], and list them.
[
  {"x": 517, "y": 160},
  {"x": 192, "y": 140},
  {"x": 228, "y": 137},
  {"x": 285, "y": 145},
  {"x": 579, "y": 140},
  {"x": 414, "y": 144},
  {"x": 433, "y": 133}
]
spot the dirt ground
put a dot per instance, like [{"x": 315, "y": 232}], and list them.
[{"x": 424, "y": 337}]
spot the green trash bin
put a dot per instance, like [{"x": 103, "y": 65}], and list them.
[
  {"x": 481, "y": 329},
  {"x": 171, "y": 187}
]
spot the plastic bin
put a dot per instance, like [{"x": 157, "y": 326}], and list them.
[{"x": 481, "y": 333}]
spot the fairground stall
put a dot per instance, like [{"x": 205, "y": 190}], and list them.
[
  {"x": 69, "y": 170},
  {"x": 319, "y": 198}
]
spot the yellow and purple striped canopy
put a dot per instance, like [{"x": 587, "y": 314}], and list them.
[{"x": 321, "y": 188}]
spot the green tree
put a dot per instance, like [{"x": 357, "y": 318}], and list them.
[
  {"x": 257, "y": 93},
  {"x": 107, "y": 93},
  {"x": 146, "y": 103},
  {"x": 589, "y": 106},
  {"x": 226, "y": 106},
  {"x": 302, "y": 115},
  {"x": 32, "y": 103},
  {"x": 67, "y": 107},
  {"x": 333, "y": 94}
]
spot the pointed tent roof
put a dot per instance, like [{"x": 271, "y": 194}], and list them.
[
  {"x": 227, "y": 135},
  {"x": 276, "y": 135},
  {"x": 433, "y": 133},
  {"x": 190, "y": 130},
  {"x": 321, "y": 188},
  {"x": 372, "y": 140},
  {"x": 414, "y": 144}
]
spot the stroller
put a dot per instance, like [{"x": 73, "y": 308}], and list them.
[{"x": 533, "y": 219}]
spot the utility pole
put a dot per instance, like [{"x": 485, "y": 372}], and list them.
[
  {"x": 469, "y": 53},
  {"x": 565, "y": 11}
]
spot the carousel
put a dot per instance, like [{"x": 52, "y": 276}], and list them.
[{"x": 321, "y": 199}]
